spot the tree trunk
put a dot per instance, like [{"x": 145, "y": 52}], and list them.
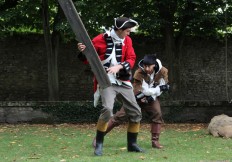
[
  {"x": 171, "y": 51},
  {"x": 173, "y": 61},
  {"x": 53, "y": 86}
]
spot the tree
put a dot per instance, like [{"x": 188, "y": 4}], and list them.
[
  {"x": 174, "y": 20},
  {"x": 170, "y": 20},
  {"x": 20, "y": 16},
  {"x": 51, "y": 49}
]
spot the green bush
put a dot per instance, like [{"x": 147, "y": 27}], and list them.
[
  {"x": 73, "y": 112},
  {"x": 85, "y": 112}
]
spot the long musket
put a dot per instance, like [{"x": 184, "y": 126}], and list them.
[{"x": 83, "y": 37}]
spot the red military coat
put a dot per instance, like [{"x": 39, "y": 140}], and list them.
[{"x": 128, "y": 53}]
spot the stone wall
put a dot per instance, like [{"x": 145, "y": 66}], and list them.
[
  {"x": 205, "y": 71},
  {"x": 23, "y": 71},
  {"x": 204, "y": 74},
  {"x": 173, "y": 112}
]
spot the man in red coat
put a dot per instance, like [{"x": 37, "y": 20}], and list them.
[{"x": 117, "y": 55}]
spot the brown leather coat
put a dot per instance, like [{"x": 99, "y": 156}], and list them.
[{"x": 140, "y": 75}]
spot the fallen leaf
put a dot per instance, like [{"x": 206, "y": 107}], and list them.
[
  {"x": 75, "y": 156},
  {"x": 142, "y": 157},
  {"x": 123, "y": 148}
]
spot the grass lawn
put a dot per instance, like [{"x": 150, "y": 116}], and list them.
[{"x": 72, "y": 142}]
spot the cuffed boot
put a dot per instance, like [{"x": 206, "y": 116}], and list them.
[
  {"x": 132, "y": 133},
  {"x": 99, "y": 143},
  {"x": 101, "y": 128},
  {"x": 155, "y": 133},
  {"x": 132, "y": 145},
  {"x": 110, "y": 126}
]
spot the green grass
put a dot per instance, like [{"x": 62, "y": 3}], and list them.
[{"x": 71, "y": 143}]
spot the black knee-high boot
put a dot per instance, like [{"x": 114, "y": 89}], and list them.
[
  {"x": 99, "y": 143},
  {"x": 132, "y": 145},
  {"x": 132, "y": 133},
  {"x": 101, "y": 128},
  {"x": 111, "y": 125}
]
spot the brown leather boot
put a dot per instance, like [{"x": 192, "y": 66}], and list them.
[
  {"x": 155, "y": 133},
  {"x": 110, "y": 126}
]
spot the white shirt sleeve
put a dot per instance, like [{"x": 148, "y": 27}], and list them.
[{"x": 152, "y": 91}]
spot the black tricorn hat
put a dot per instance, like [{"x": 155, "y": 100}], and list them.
[
  {"x": 124, "y": 23},
  {"x": 149, "y": 59}
]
